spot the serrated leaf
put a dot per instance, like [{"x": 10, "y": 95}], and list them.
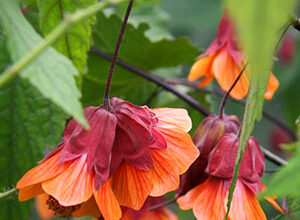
[
  {"x": 259, "y": 23},
  {"x": 76, "y": 42},
  {"x": 137, "y": 50},
  {"x": 287, "y": 180},
  {"x": 28, "y": 124},
  {"x": 51, "y": 72}
]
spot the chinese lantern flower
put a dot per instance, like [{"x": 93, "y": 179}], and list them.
[
  {"x": 224, "y": 61},
  {"x": 129, "y": 153},
  {"x": 205, "y": 138},
  {"x": 144, "y": 214},
  {"x": 209, "y": 199}
]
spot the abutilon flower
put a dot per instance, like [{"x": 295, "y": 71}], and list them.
[
  {"x": 129, "y": 153},
  {"x": 144, "y": 214},
  {"x": 288, "y": 49},
  {"x": 209, "y": 199},
  {"x": 224, "y": 60},
  {"x": 205, "y": 138}
]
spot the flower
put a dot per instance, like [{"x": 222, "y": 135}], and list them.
[
  {"x": 42, "y": 208},
  {"x": 287, "y": 50},
  {"x": 209, "y": 199},
  {"x": 129, "y": 153},
  {"x": 205, "y": 138},
  {"x": 143, "y": 214},
  {"x": 224, "y": 61}
]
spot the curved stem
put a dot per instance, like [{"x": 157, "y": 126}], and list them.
[
  {"x": 160, "y": 205},
  {"x": 222, "y": 105},
  {"x": 7, "y": 193},
  {"x": 115, "y": 56}
]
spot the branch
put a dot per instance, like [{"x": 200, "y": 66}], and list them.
[
  {"x": 7, "y": 193},
  {"x": 188, "y": 99},
  {"x": 69, "y": 20}
]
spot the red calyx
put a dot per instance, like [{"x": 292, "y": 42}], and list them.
[
  {"x": 124, "y": 133},
  {"x": 221, "y": 161}
]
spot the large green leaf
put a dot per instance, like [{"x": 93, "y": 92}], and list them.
[
  {"x": 259, "y": 24},
  {"x": 51, "y": 72},
  {"x": 137, "y": 50},
  {"x": 76, "y": 42},
  {"x": 28, "y": 124}
]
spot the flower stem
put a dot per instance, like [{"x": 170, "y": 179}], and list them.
[
  {"x": 222, "y": 105},
  {"x": 7, "y": 193},
  {"x": 115, "y": 56}
]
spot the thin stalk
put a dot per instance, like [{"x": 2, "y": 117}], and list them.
[
  {"x": 69, "y": 20},
  {"x": 115, "y": 56},
  {"x": 7, "y": 193},
  {"x": 222, "y": 105}
]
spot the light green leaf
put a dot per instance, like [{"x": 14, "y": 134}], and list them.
[
  {"x": 76, "y": 42},
  {"x": 259, "y": 24},
  {"x": 287, "y": 180},
  {"x": 28, "y": 124},
  {"x": 136, "y": 50},
  {"x": 51, "y": 72}
]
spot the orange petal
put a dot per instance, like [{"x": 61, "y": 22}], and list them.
[
  {"x": 42, "y": 208},
  {"x": 44, "y": 171},
  {"x": 131, "y": 186},
  {"x": 165, "y": 174},
  {"x": 73, "y": 186},
  {"x": 226, "y": 70},
  {"x": 272, "y": 200},
  {"x": 245, "y": 204},
  {"x": 167, "y": 215},
  {"x": 180, "y": 147},
  {"x": 202, "y": 67},
  {"x": 30, "y": 192},
  {"x": 188, "y": 200},
  {"x": 107, "y": 202},
  {"x": 173, "y": 117},
  {"x": 273, "y": 85},
  {"x": 88, "y": 208}
]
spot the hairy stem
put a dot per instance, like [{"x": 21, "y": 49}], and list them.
[
  {"x": 115, "y": 56},
  {"x": 7, "y": 193}
]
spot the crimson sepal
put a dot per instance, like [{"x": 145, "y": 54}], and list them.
[
  {"x": 125, "y": 133},
  {"x": 221, "y": 161},
  {"x": 205, "y": 138}
]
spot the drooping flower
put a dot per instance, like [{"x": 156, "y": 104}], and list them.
[
  {"x": 224, "y": 60},
  {"x": 144, "y": 214},
  {"x": 288, "y": 49},
  {"x": 205, "y": 138},
  {"x": 209, "y": 199},
  {"x": 129, "y": 153}
]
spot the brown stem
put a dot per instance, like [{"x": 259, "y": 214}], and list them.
[{"x": 115, "y": 56}]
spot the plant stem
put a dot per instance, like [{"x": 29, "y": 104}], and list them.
[
  {"x": 115, "y": 56},
  {"x": 188, "y": 99},
  {"x": 7, "y": 193},
  {"x": 69, "y": 20},
  {"x": 222, "y": 105}
]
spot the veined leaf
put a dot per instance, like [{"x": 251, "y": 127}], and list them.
[
  {"x": 76, "y": 42},
  {"x": 259, "y": 24},
  {"x": 51, "y": 72},
  {"x": 29, "y": 123},
  {"x": 136, "y": 50}
]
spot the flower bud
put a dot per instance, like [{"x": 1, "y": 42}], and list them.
[
  {"x": 205, "y": 138},
  {"x": 221, "y": 161}
]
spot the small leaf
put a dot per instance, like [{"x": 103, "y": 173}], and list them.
[
  {"x": 51, "y": 72},
  {"x": 76, "y": 42},
  {"x": 28, "y": 124}
]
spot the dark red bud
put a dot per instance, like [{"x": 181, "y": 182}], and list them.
[
  {"x": 205, "y": 138},
  {"x": 222, "y": 159},
  {"x": 278, "y": 137},
  {"x": 288, "y": 49}
]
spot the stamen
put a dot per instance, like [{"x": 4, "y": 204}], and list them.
[{"x": 60, "y": 210}]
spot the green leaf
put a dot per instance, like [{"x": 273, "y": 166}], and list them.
[
  {"x": 28, "y": 124},
  {"x": 51, "y": 72},
  {"x": 259, "y": 24},
  {"x": 287, "y": 180},
  {"x": 136, "y": 50},
  {"x": 76, "y": 42}
]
